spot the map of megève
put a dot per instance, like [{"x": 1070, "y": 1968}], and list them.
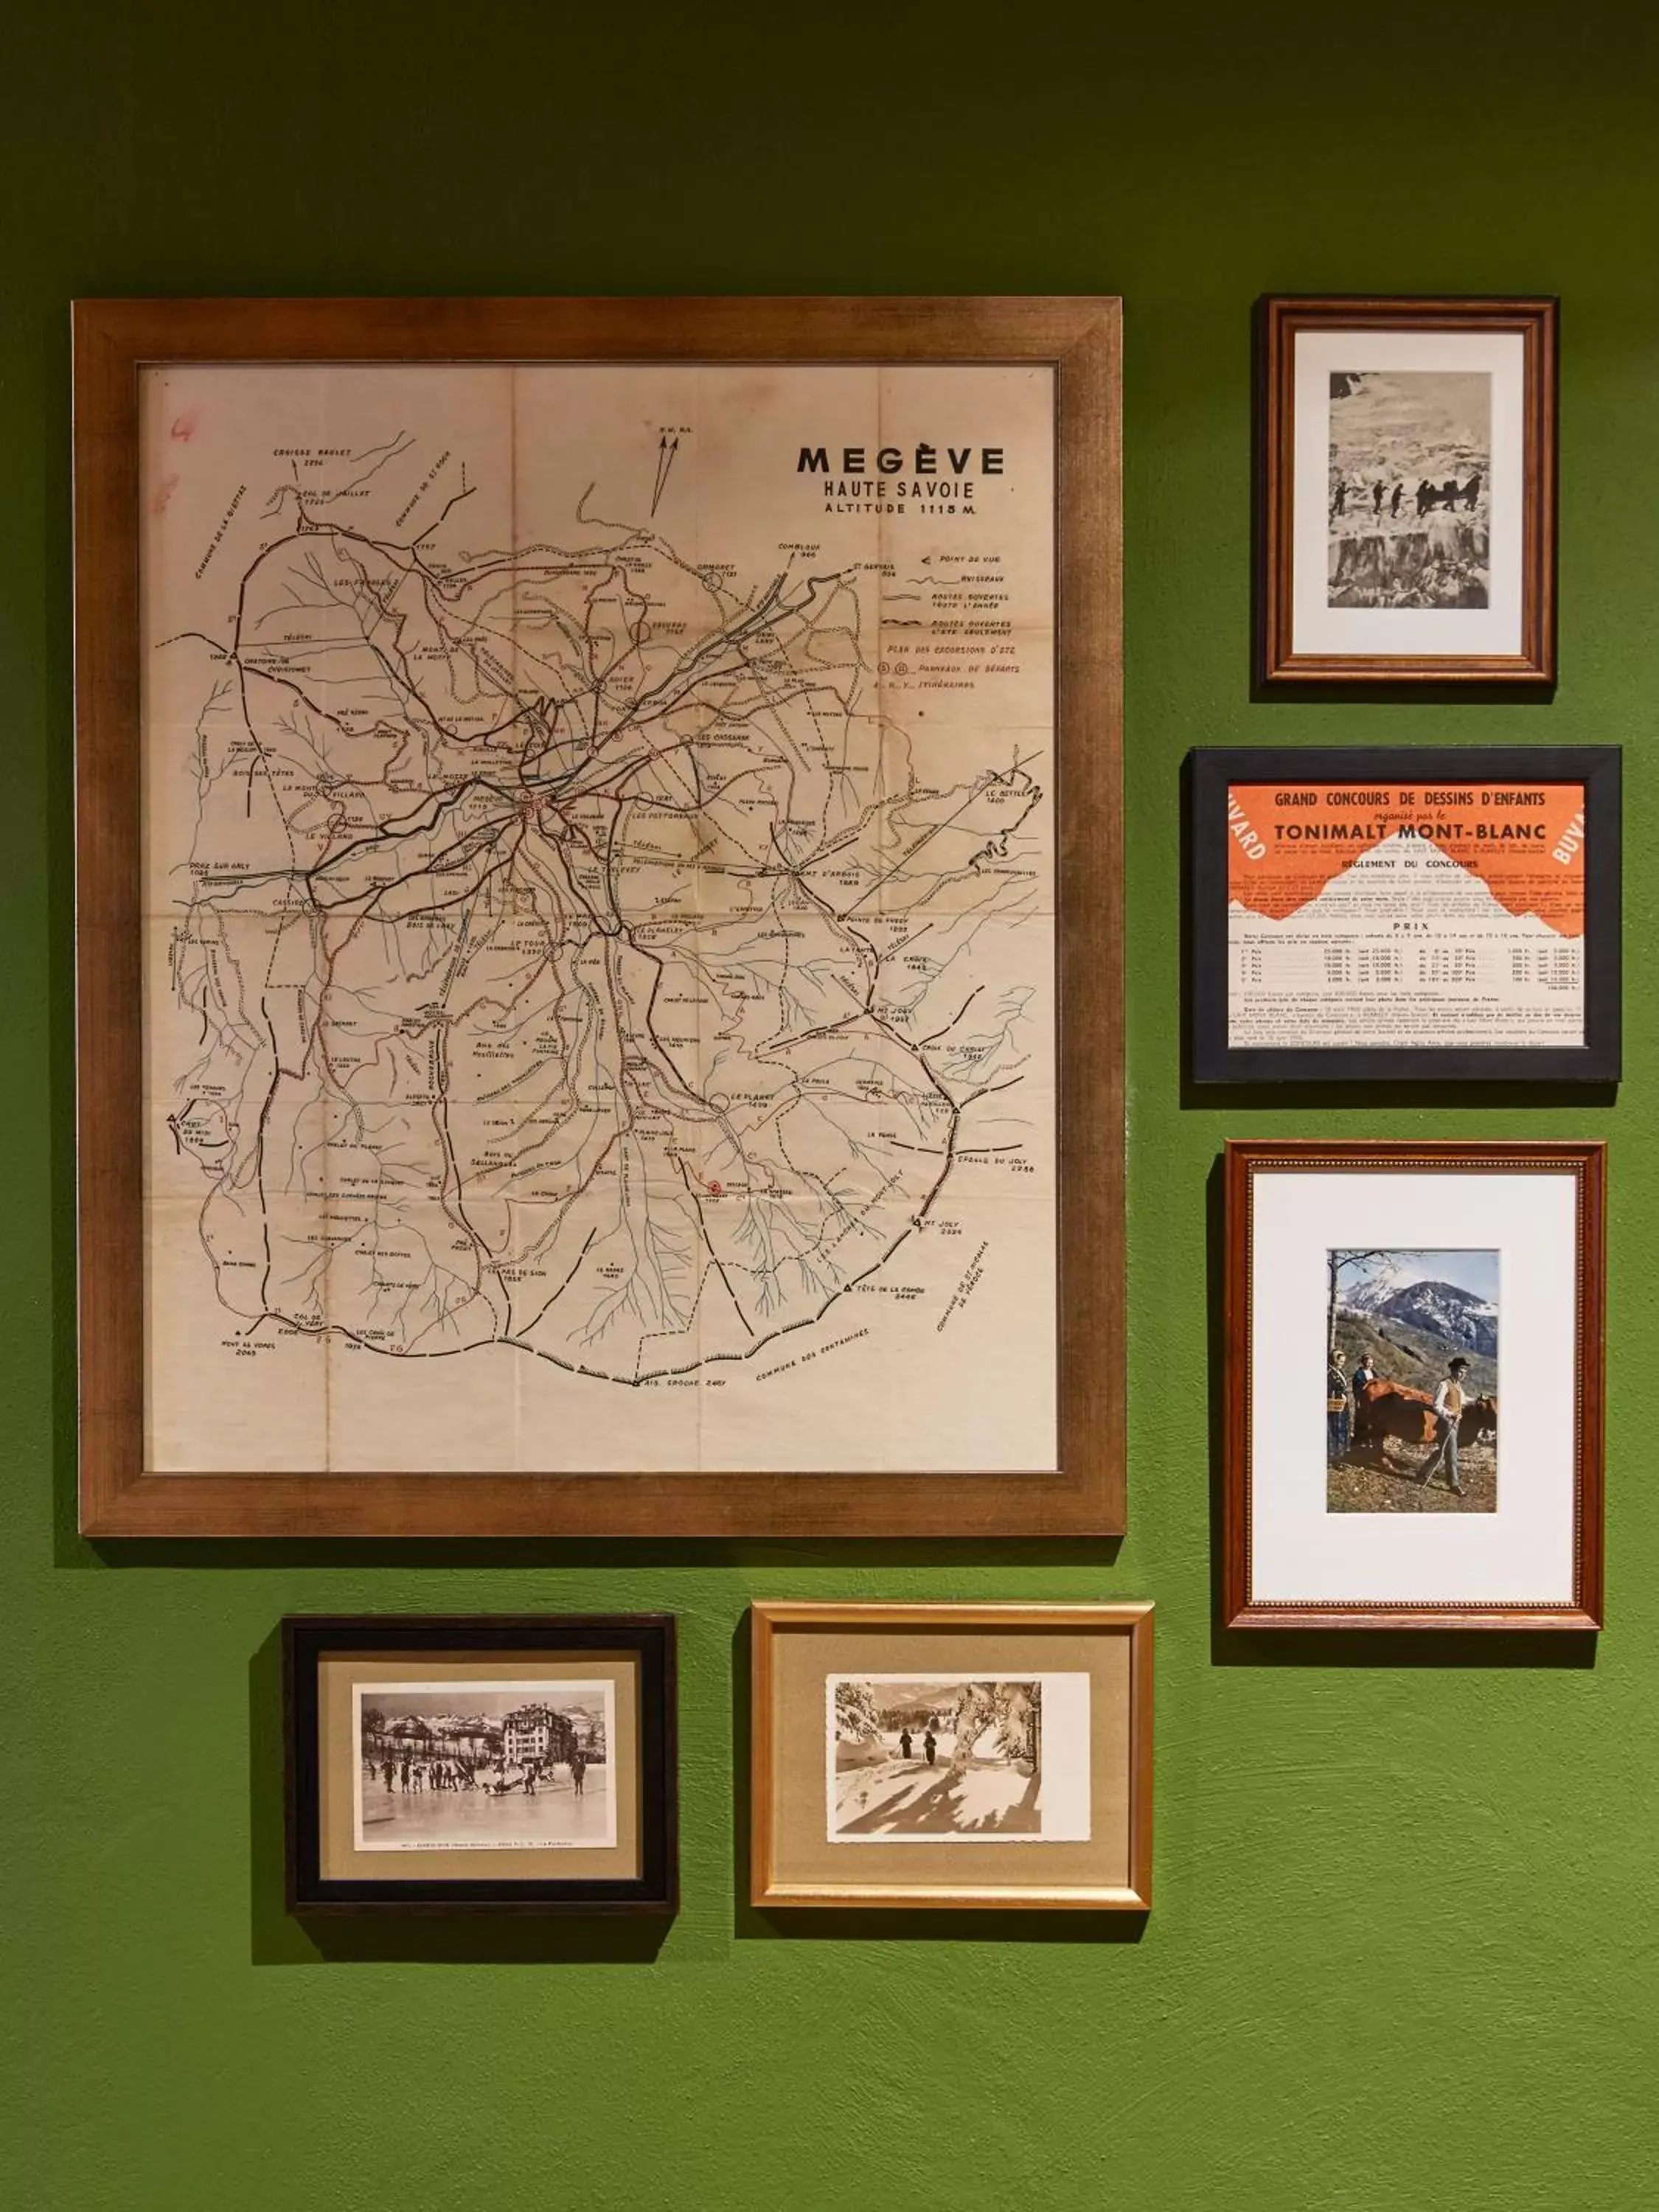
[{"x": 600, "y": 881}]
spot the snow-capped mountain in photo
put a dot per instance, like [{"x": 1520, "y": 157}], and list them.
[
  {"x": 1365, "y": 1297},
  {"x": 1455, "y": 1317}
]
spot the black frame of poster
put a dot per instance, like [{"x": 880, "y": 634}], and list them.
[
  {"x": 307, "y": 1637},
  {"x": 1212, "y": 770}
]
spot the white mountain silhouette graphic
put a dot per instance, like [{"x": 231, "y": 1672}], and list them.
[{"x": 1370, "y": 890}]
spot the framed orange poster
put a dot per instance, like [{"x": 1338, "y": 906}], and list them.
[{"x": 1371, "y": 915}]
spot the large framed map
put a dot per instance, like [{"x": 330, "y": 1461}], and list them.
[{"x": 599, "y": 917}]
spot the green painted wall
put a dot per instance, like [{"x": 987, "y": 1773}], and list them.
[{"x": 1404, "y": 1947}]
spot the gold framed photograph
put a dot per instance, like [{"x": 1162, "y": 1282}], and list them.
[
  {"x": 599, "y": 917},
  {"x": 961, "y": 1755}
]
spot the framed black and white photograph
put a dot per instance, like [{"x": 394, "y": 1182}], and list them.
[
  {"x": 1415, "y": 1385},
  {"x": 1407, "y": 491},
  {"x": 952, "y": 1755},
  {"x": 1424, "y": 914},
  {"x": 522, "y": 1764}
]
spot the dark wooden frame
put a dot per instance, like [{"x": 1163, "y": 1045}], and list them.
[
  {"x": 307, "y": 1637},
  {"x": 1586, "y": 1159},
  {"x": 1280, "y": 321},
  {"x": 1213, "y": 769},
  {"x": 770, "y": 1618},
  {"x": 1081, "y": 337}
]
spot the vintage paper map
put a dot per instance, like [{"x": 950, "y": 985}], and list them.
[
  {"x": 599, "y": 881},
  {"x": 1406, "y": 914}
]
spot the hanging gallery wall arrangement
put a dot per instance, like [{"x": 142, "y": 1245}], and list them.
[
  {"x": 481, "y": 1763},
  {"x": 1416, "y": 912},
  {"x": 1414, "y": 1384},
  {"x": 975, "y": 1755},
  {"x": 599, "y": 864},
  {"x": 600, "y": 855},
  {"x": 1406, "y": 491}
]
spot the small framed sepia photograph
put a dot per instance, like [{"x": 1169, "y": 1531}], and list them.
[
  {"x": 1391, "y": 913},
  {"x": 521, "y": 1764},
  {"x": 956, "y": 1755},
  {"x": 1415, "y": 1385},
  {"x": 1406, "y": 490}
]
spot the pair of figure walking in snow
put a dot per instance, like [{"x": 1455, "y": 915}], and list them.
[{"x": 929, "y": 1744}]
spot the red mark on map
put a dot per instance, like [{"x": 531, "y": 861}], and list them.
[
  {"x": 162, "y": 493},
  {"x": 716, "y": 1190},
  {"x": 186, "y": 426}
]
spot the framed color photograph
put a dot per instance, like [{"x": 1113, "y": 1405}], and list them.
[
  {"x": 481, "y": 1763},
  {"x": 1366, "y": 914},
  {"x": 1407, "y": 491},
  {"x": 969, "y": 1755},
  {"x": 1415, "y": 1385},
  {"x": 599, "y": 910}
]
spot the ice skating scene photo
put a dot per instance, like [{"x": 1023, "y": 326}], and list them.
[
  {"x": 1410, "y": 511},
  {"x": 938, "y": 1758},
  {"x": 1410, "y": 1382},
  {"x": 484, "y": 1766}
]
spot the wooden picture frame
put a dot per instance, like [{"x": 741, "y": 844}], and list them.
[
  {"x": 1431, "y": 592},
  {"x": 1339, "y": 1544},
  {"x": 455, "y": 1797},
  {"x": 799, "y": 1649},
  {"x": 1561, "y": 802},
  {"x": 125, "y": 1489}
]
